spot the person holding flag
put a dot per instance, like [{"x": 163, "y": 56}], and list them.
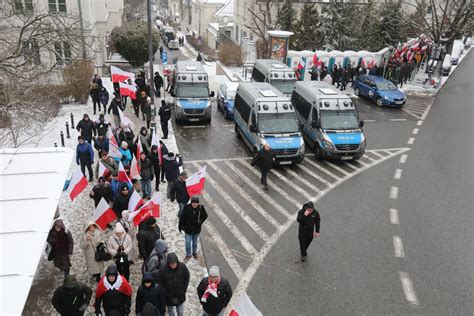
[
  {"x": 114, "y": 106},
  {"x": 121, "y": 200},
  {"x": 101, "y": 190},
  {"x": 106, "y": 167},
  {"x": 143, "y": 138},
  {"x": 191, "y": 220}
]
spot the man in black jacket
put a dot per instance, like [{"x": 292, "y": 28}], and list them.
[
  {"x": 101, "y": 125},
  {"x": 214, "y": 293},
  {"x": 115, "y": 106},
  {"x": 171, "y": 170},
  {"x": 165, "y": 115},
  {"x": 71, "y": 298},
  {"x": 264, "y": 159},
  {"x": 179, "y": 192},
  {"x": 86, "y": 127},
  {"x": 158, "y": 80},
  {"x": 309, "y": 220},
  {"x": 152, "y": 293},
  {"x": 94, "y": 93},
  {"x": 101, "y": 190},
  {"x": 148, "y": 234},
  {"x": 174, "y": 277},
  {"x": 191, "y": 220},
  {"x": 121, "y": 201},
  {"x": 155, "y": 160},
  {"x": 114, "y": 293}
]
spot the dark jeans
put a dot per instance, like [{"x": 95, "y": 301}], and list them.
[
  {"x": 89, "y": 169},
  {"x": 123, "y": 268},
  {"x": 136, "y": 108},
  {"x": 157, "y": 92},
  {"x": 164, "y": 129},
  {"x": 263, "y": 179},
  {"x": 305, "y": 241},
  {"x": 157, "y": 177},
  {"x": 96, "y": 102}
]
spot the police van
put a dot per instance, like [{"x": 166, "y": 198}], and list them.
[
  {"x": 263, "y": 115},
  {"x": 191, "y": 96},
  {"x": 330, "y": 122},
  {"x": 276, "y": 73},
  {"x": 169, "y": 37}
]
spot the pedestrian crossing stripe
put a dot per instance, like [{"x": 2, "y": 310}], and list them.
[
  {"x": 421, "y": 109},
  {"x": 327, "y": 174}
]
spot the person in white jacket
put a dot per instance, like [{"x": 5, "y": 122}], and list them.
[
  {"x": 131, "y": 231},
  {"x": 120, "y": 246},
  {"x": 91, "y": 238}
]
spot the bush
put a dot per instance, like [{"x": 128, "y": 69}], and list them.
[
  {"x": 77, "y": 78},
  {"x": 230, "y": 54},
  {"x": 207, "y": 53}
]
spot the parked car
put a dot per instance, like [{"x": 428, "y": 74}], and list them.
[
  {"x": 380, "y": 90},
  {"x": 447, "y": 65},
  {"x": 226, "y": 97},
  {"x": 458, "y": 49}
]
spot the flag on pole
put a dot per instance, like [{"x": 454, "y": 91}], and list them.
[
  {"x": 119, "y": 75},
  {"x": 135, "y": 169},
  {"x": 195, "y": 183},
  {"x": 103, "y": 171},
  {"x": 245, "y": 307},
  {"x": 155, "y": 141},
  {"x": 124, "y": 120},
  {"x": 103, "y": 214},
  {"x": 149, "y": 209},
  {"x": 128, "y": 89},
  {"x": 139, "y": 147},
  {"x": 114, "y": 150},
  {"x": 135, "y": 201},
  {"x": 122, "y": 175},
  {"x": 301, "y": 64},
  {"x": 77, "y": 184}
]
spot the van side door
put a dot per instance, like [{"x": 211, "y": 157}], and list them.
[{"x": 317, "y": 135}]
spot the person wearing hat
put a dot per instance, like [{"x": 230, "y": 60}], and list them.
[
  {"x": 101, "y": 190},
  {"x": 127, "y": 135},
  {"x": 71, "y": 298},
  {"x": 179, "y": 192},
  {"x": 174, "y": 277},
  {"x": 120, "y": 247},
  {"x": 115, "y": 106},
  {"x": 62, "y": 246},
  {"x": 156, "y": 158},
  {"x": 121, "y": 200},
  {"x": 101, "y": 143},
  {"x": 157, "y": 259},
  {"x": 94, "y": 93},
  {"x": 309, "y": 222},
  {"x": 165, "y": 116},
  {"x": 158, "y": 81},
  {"x": 101, "y": 125},
  {"x": 191, "y": 220},
  {"x": 146, "y": 174},
  {"x": 85, "y": 157},
  {"x": 149, "y": 232},
  {"x": 91, "y": 238},
  {"x": 214, "y": 293},
  {"x": 113, "y": 293},
  {"x": 126, "y": 154},
  {"x": 171, "y": 164},
  {"x": 150, "y": 292},
  {"x": 86, "y": 127},
  {"x": 103, "y": 98}
]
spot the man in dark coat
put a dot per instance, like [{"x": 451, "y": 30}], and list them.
[
  {"x": 146, "y": 174},
  {"x": 62, "y": 246},
  {"x": 344, "y": 78},
  {"x": 156, "y": 160},
  {"x": 150, "y": 292},
  {"x": 94, "y": 93},
  {"x": 174, "y": 277},
  {"x": 114, "y": 293},
  {"x": 109, "y": 163},
  {"x": 101, "y": 125},
  {"x": 335, "y": 74},
  {"x": 85, "y": 157},
  {"x": 309, "y": 220},
  {"x": 103, "y": 98},
  {"x": 97, "y": 80},
  {"x": 114, "y": 106},
  {"x": 165, "y": 115},
  {"x": 171, "y": 170},
  {"x": 101, "y": 190},
  {"x": 264, "y": 160},
  {"x": 87, "y": 128},
  {"x": 179, "y": 192},
  {"x": 191, "y": 220},
  {"x": 101, "y": 143},
  {"x": 148, "y": 234},
  {"x": 214, "y": 293},
  {"x": 158, "y": 81},
  {"x": 71, "y": 298},
  {"x": 121, "y": 201}
]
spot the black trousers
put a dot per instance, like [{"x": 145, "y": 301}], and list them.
[
  {"x": 123, "y": 268},
  {"x": 305, "y": 240},
  {"x": 157, "y": 177},
  {"x": 136, "y": 108},
  {"x": 263, "y": 179},
  {"x": 96, "y": 103},
  {"x": 89, "y": 169},
  {"x": 164, "y": 129}
]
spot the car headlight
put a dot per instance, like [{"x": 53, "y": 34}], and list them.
[
  {"x": 385, "y": 97},
  {"x": 301, "y": 150},
  {"x": 363, "y": 144},
  {"x": 179, "y": 108},
  {"x": 208, "y": 108},
  {"x": 328, "y": 145}
]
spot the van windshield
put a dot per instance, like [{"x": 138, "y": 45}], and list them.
[
  {"x": 285, "y": 86},
  {"x": 278, "y": 123},
  {"x": 339, "y": 119},
  {"x": 189, "y": 90}
]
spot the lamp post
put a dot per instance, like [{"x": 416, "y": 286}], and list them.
[{"x": 150, "y": 51}]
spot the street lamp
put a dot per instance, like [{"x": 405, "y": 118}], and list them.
[{"x": 150, "y": 51}]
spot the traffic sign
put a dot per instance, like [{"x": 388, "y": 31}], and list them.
[{"x": 164, "y": 58}]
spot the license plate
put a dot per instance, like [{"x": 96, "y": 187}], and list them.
[
  {"x": 285, "y": 162},
  {"x": 346, "y": 157},
  {"x": 399, "y": 102},
  {"x": 194, "y": 120}
]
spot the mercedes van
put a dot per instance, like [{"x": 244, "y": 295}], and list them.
[{"x": 275, "y": 73}]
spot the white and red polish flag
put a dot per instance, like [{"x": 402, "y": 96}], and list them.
[
  {"x": 77, "y": 184},
  {"x": 155, "y": 141},
  {"x": 135, "y": 169},
  {"x": 128, "y": 90},
  {"x": 301, "y": 64},
  {"x": 119, "y": 75},
  {"x": 135, "y": 201},
  {"x": 245, "y": 307},
  {"x": 195, "y": 183},
  {"x": 103, "y": 214},
  {"x": 103, "y": 171},
  {"x": 139, "y": 148},
  {"x": 124, "y": 120},
  {"x": 122, "y": 175},
  {"x": 114, "y": 150},
  {"x": 149, "y": 209}
]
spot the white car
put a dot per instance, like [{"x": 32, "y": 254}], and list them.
[{"x": 446, "y": 65}]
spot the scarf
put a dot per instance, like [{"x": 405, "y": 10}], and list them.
[
  {"x": 211, "y": 289},
  {"x": 120, "y": 285}
]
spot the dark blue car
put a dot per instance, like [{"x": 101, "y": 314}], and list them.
[
  {"x": 225, "y": 98},
  {"x": 380, "y": 90}
]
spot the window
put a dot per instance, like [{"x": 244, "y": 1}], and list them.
[
  {"x": 63, "y": 52},
  {"x": 57, "y": 5},
  {"x": 23, "y": 5},
  {"x": 242, "y": 108},
  {"x": 257, "y": 75},
  {"x": 302, "y": 106},
  {"x": 31, "y": 51}
]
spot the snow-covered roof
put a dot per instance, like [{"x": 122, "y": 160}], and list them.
[
  {"x": 31, "y": 182},
  {"x": 226, "y": 10}
]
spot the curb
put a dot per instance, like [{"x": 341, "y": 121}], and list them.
[{"x": 452, "y": 72}]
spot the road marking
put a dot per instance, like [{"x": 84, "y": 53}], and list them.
[
  {"x": 369, "y": 121},
  {"x": 244, "y": 195},
  {"x": 236, "y": 207},
  {"x": 408, "y": 290},
  {"x": 428, "y": 108},
  {"x": 398, "y": 174},
  {"x": 300, "y": 178},
  {"x": 228, "y": 125},
  {"x": 415, "y": 131},
  {"x": 403, "y": 158},
  {"x": 377, "y": 154},
  {"x": 334, "y": 166},
  {"x": 314, "y": 164},
  {"x": 394, "y": 193},
  {"x": 194, "y": 126},
  {"x": 398, "y": 247},
  {"x": 419, "y": 123},
  {"x": 411, "y": 141},
  {"x": 311, "y": 173},
  {"x": 397, "y": 120},
  {"x": 394, "y": 216}
]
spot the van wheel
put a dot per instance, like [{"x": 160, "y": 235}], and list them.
[
  {"x": 237, "y": 134},
  {"x": 318, "y": 155},
  {"x": 357, "y": 92},
  {"x": 379, "y": 102}
]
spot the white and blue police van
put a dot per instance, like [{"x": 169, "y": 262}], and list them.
[
  {"x": 329, "y": 120},
  {"x": 275, "y": 73},
  {"x": 191, "y": 96},
  {"x": 263, "y": 115}
]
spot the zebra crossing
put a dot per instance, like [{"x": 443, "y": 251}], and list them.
[
  {"x": 245, "y": 221},
  {"x": 418, "y": 106}
]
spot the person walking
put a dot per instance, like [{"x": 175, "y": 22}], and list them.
[
  {"x": 157, "y": 259},
  {"x": 147, "y": 236},
  {"x": 91, "y": 238},
  {"x": 191, "y": 220},
  {"x": 85, "y": 157},
  {"x": 121, "y": 200},
  {"x": 94, "y": 93},
  {"x": 165, "y": 115},
  {"x": 71, "y": 298},
  {"x": 126, "y": 154},
  {"x": 158, "y": 81},
  {"x": 199, "y": 57},
  {"x": 345, "y": 76},
  {"x": 147, "y": 111},
  {"x": 174, "y": 277},
  {"x": 143, "y": 101},
  {"x": 110, "y": 164},
  {"x": 101, "y": 125},
  {"x": 264, "y": 160},
  {"x": 146, "y": 174},
  {"x": 113, "y": 293},
  {"x": 150, "y": 292},
  {"x": 145, "y": 139},
  {"x": 171, "y": 170},
  {"x": 62, "y": 245},
  {"x": 120, "y": 246},
  {"x": 179, "y": 192},
  {"x": 115, "y": 106},
  {"x": 102, "y": 190},
  {"x": 87, "y": 128},
  {"x": 101, "y": 143},
  {"x": 97, "y": 80},
  {"x": 156, "y": 160},
  {"x": 126, "y": 135},
  {"x": 103, "y": 98},
  {"x": 309, "y": 223},
  {"x": 314, "y": 72},
  {"x": 214, "y": 293}
]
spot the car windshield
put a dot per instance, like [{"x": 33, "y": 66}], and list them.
[
  {"x": 278, "y": 123},
  {"x": 189, "y": 90},
  {"x": 231, "y": 95},
  {"x": 386, "y": 86},
  {"x": 285, "y": 86},
  {"x": 339, "y": 119}
]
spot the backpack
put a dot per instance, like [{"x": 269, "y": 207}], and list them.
[{"x": 154, "y": 269}]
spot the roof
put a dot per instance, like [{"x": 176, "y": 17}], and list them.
[
  {"x": 189, "y": 66},
  {"x": 27, "y": 215},
  {"x": 226, "y": 10},
  {"x": 231, "y": 86}
]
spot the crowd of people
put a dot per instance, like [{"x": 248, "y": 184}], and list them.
[{"x": 110, "y": 255}]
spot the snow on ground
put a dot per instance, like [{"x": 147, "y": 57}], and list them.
[{"x": 75, "y": 214}]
